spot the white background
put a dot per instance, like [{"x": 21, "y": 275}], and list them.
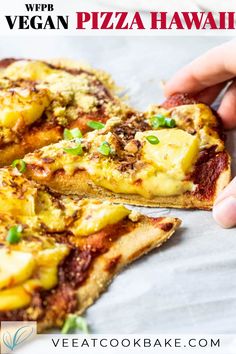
[
  {"x": 44, "y": 342},
  {"x": 70, "y": 7},
  {"x": 189, "y": 285}
]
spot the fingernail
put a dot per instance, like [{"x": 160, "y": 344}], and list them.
[{"x": 224, "y": 212}]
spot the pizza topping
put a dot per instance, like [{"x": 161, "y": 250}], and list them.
[
  {"x": 104, "y": 149},
  {"x": 15, "y": 267},
  {"x": 95, "y": 217},
  {"x": 37, "y": 270},
  {"x": 77, "y": 150},
  {"x": 175, "y": 154},
  {"x": 134, "y": 216},
  {"x": 20, "y": 165},
  {"x": 20, "y": 107},
  {"x": 14, "y": 234},
  {"x": 152, "y": 139},
  {"x": 132, "y": 146},
  {"x": 14, "y": 298},
  {"x": 72, "y": 134},
  {"x": 126, "y": 129},
  {"x": 170, "y": 122},
  {"x": 95, "y": 125},
  {"x": 160, "y": 121}
]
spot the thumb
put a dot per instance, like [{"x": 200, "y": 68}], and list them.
[{"x": 224, "y": 210}]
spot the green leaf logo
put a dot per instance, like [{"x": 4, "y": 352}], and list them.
[{"x": 11, "y": 341}]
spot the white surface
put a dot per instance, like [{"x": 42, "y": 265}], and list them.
[
  {"x": 189, "y": 285},
  {"x": 172, "y": 5},
  {"x": 153, "y": 5},
  {"x": 70, "y": 8}
]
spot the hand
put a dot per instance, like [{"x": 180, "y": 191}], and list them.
[
  {"x": 206, "y": 77},
  {"x": 224, "y": 211}
]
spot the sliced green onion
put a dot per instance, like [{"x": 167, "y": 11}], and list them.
[
  {"x": 158, "y": 121},
  {"x": 162, "y": 121},
  {"x": 74, "y": 322},
  {"x": 95, "y": 125},
  {"x": 152, "y": 139},
  {"x": 170, "y": 122},
  {"x": 77, "y": 150},
  {"x": 14, "y": 234},
  {"x": 70, "y": 134},
  {"x": 104, "y": 149},
  {"x": 20, "y": 165}
]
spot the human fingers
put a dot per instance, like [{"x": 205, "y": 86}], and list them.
[
  {"x": 209, "y": 95},
  {"x": 224, "y": 210},
  {"x": 227, "y": 109},
  {"x": 215, "y": 66}
]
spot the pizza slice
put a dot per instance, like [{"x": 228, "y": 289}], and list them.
[
  {"x": 172, "y": 156},
  {"x": 40, "y": 101},
  {"x": 59, "y": 253}
]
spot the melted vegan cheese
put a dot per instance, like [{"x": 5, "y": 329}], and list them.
[
  {"x": 32, "y": 264},
  {"x": 21, "y": 106}
]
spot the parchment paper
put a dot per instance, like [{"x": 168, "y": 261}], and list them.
[{"x": 189, "y": 285}]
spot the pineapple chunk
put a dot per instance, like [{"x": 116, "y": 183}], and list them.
[
  {"x": 47, "y": 263},
  {"x": 15, "y": 267},
  {"x": 97, "y": 216},
  {"x": 20, "y": 270},
  {"x": 29, "y": 70},
  {"x": 22, "y": 107},
  {"x": 14, "y": 298},
  {"x": 175, "y": 153}
]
